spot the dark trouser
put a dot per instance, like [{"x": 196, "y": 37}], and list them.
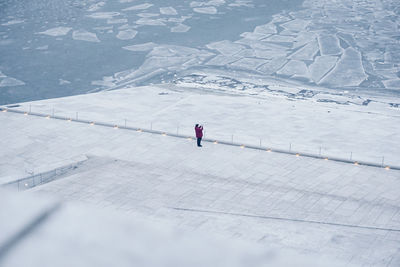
[{"x": 198, "y": 141}]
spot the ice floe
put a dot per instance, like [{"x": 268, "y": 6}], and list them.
[
  {"x": 141, "y": 47},
  {"x": 13, "y": 22},
  {"x": 58, "y": 31},
  {"x": 180, "y": 28},
  {"x": 295, "y": 69},
  {"x": 273, "y": 65},
  {"x": 296, "y": 25},
  {"x": 95, "y": 7},
  {"x": 269, "y": 28},
  {"x": 249, "y": 63},
  {"x": 225, "y": 47},
  {"x": 103, "y": 15},
  {"x": 392, "y": 84},
  {"x": 222, "y": 60},
  {"x": 150, "y": 22},
  {"x": 329, "y": 44},
  {"x": 127, "y": 34},
  {"x": 138, "y": 7},
  {"x": 170, "y": 11},
  {"x": 9, "y": 81},
  {"x": 348, "y": 71},
  {"x": 83, "y": 35},
  {"x": 148, "y": 15},
  {"x": 206, "y": 10},
  {"x": 321, "y": 66},
  {"x": 63, "y": 82},
  {"x": 307, "y": 52},
  {"x": 116, "y": 21}
]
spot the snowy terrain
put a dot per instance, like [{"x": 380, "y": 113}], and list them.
[
  {"x": 317, "y": 207},
  {"x": 340, "y": 44},
  {"x": 271, "y": 81}
]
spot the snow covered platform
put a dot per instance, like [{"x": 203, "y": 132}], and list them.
[{"x": 319, "y": 208}]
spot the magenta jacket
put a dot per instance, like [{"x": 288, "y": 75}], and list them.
[{"x": 199, "y": 131}]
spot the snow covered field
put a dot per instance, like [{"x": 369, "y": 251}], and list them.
[
  {"x": 338, "y": 211},
  {"x": 334, "y": 44},
  {"x": 318, "y": 208}
]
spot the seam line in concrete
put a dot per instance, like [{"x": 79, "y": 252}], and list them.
[{"x": 285, "y": 219}]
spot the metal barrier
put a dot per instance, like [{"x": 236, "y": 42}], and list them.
[
  {"x": 40, "y": 178},
  {"x": 215, "y": 141}
]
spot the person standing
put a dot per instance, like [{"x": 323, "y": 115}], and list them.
[{"x": 199, "y": 134}]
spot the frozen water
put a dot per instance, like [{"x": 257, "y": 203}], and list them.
[
  {"x": 392, "y": 84},
  {"x": 127, "y": 34},
  {"x": 308, "y": 52},
  {"x": 272, "y": 66},
  {"x": 138, "y": 7},
  {"x": 225, "y": 47},
  {"x": 348, "y": 71},
  {"x": 9, "y": 81},
  {"x": 268, "y": 28},
  {"x": 168, "y": 11},
  {"x": 321, "y": 66},
  {"x": 295, "y": 69},
  {"x": 296, "y": 25},
  {"x": 222, "y": 60},
  {"x": 103, "y": 15},
  {"x": 206, "y": 10},
  {"x": 280, "y": 39},
  {"x": 150, "y": 22},
  {"x": 13, "y": 22},
  {"x": 249, "y": 63},
  {"x": 274, "y": 30},
  {"x": 329, "y": 44},
  {"x": 180, "y": 28},
  {"x": 58, "y": 31},
  {"x": 83, "y": 35},
  {"x": 95, "y": 7},
  {"x": 141, "y": 47}
]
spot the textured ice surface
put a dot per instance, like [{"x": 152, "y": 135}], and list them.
[
  {"x": 141, "y": 47},
  {"x": 138, "y": 7},
  {"x": 307, "y": 52},
  {"x": 9, "y": 81},
  {"x": 321, "y": 66},
  {"x": 13, "y": 22},
  {"x": 249, "y": 63},
  {"x": 348, "y": 71},
  {"x": 296, "y": 25},
  {"x": 225, "y": 47},
  {"x": 180, "y": 28},
  {"x": 127, "y": 34},
  {"x": 329, "y": 44},
  {"x": 206, "y": 10},
  {"x": 295, "y": 69},
  {"x": 272, "y": 30},
  {"x": 273, "y": 65},
  {"x": 84, "y": 35},
  {"x": 268, "y": 28},
  {"x": 222, "y": 60},
  {"x": 168, "y": 11},
  {"x": 58, "y": 31},
  {"x": 103, "y": 15},
  {"x": 150, "y": 22}
]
